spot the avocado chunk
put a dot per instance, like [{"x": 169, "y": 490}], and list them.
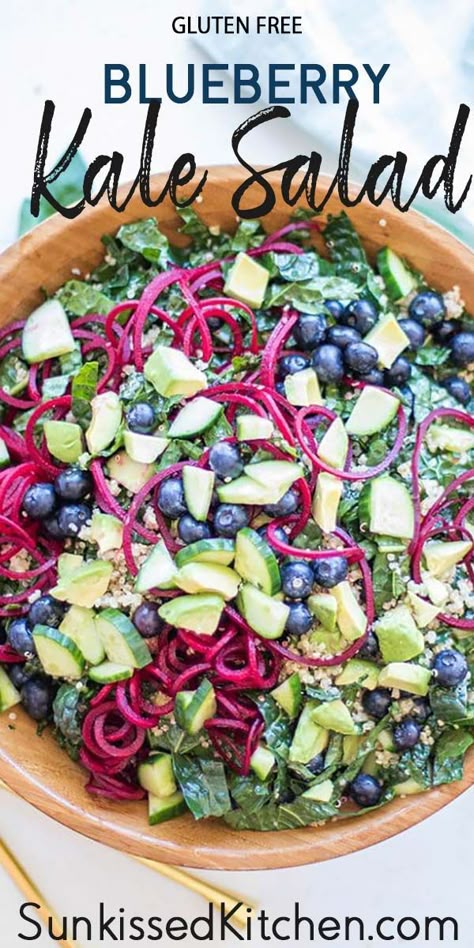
[
  {"x": 351, "y": 618},
  {"x": 310, "y": 739},
  {"x": 106, "y": 531},
  {"x": 437, "y": 590},
  {"x": 373, "y": 411},
  {"x": 359, "y": 670},
  {"x": 448, "y": 438},
  {"x": 47, "y": 333},
  {"x": 398, "y": 635},
  {"x": 408, "y": 788},
  {"x": 333, "y": 642},
  {"x": 442, "y": 556},
  {"x": 244, "y": 490},
  {"x": 289, "y": 695},
  {"x": 68, "y": 563},
  {"x": 324, "y": 607},
  {"x": 326, "y": 501},
  {"x": 253, "y": 428},
  {"x": 144, "y": 448},
  {"x": 157, "y": 571},
  {"x": 386, "y": 508},
  {"x": 335, "y": 716},
  {"x": 302, "y": 388},
  {"x": 262, "y": 762},
  {"x": 279, "y": 475},
  {"x": 105, "y": 422},
  {"x": 388, "y": 338},
  {"x": 265, "y": 615},
  {"x": 9, "y": 696},
  {"x": 85, "y": 585},
  {"x": 199, "y": 613},
  {"x": 172, "y": 373},
  {"x": 208, "y": 577},
  {"x": 406, "y": 677},
  {"x": 63, "y": 440},
  {"x": 247, "y": 280},
  {"x": 320, "y": 791},
  {"x": 130, "y": 474},
  {"x": 4, "y": 455},
  {"x": 350, "y": 747},
  {"x": 423, "y": 612},
  {"x": 334, "y": 445}
]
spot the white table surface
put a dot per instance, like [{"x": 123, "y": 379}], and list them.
[{"x": 57, "y": 49}]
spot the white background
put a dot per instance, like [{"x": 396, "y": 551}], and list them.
[{"x": 57, "y": 49}]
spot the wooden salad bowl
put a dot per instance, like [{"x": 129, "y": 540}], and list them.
[{"x": 35, "y": 767}]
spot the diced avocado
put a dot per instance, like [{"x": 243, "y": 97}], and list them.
[
  {"x": 195, "y": 418},
  {"x": 398, "y": 635},
  {"x": 334, "y": 445},
  {"x": 247, "y": 280},
  {"x": 438, "y": 591},
  {"x": 266, "y": 616},
  {"x": 399, "y": 280},
  {"x": 326, "y": 501},
  {"x": 373, "y": 411},
  {"x": 370, "y": 765},
  {"x": 310, "y": 739},
  {"x": 350, "y": 746},
  {"x": 68, "y": 563},
  {"x": 9, "y": 696},
  {"x": 193, "y": 708},
  {"x": 388, "y": 338},
  {"x": 244, "y": 490},
  {"x": 156, "y": 775},
  {"x": 408, "y": 788},
  {"x": 63, "y": 440},
  {"x": 106, "y": 531},
  {"x": 4, "y": 455},
  {"x": 448, "y": 438},
  {"x": 162, "y": 809},
  {"x": 406, "y": 677},
  {"x": 130, "y": 474},
  {"x": 122, "y": 642},
  {"x": 351, "y": 618},
  {"x": 157, "y": 571},
  {"x": 289, "y": 695},
  {"x": 324, "y": 607},
  {"x": 386, "y": 508},
  {"x": 253, "y": 428},
  {"x": 320, "y": 791},
  {"x": 385, "y": 739},
  {"x": 424, "y": 612},
  {"x": 217, "y": 550},
  {"x": 442, "y": 556},
  {"x": 359, "y": 670},
  {"x": 335, "y": 716},
  {"x": 279, "y": 475},
  {"x": 47, "y": 333},
  {"x": 333, "y": 642},
  {"x": 108, "y": 673},
  {"x": 199, "y": 613},
  {"x": 58, "y": 654},
  {"x": 79, "y": 625},
  {"x": 198, "y": 484},
  {"x": 105, "y": 423},
  {"x": 208, "y": 577},
  {"x": 256, "y": 562},
  {"x": 144, "y": 448},
  {"x": 85, "y": 585},
  {"x": 302, "y": 388},
  {"x": 172, "y": 373},
  {"x": 262, "y": 762}
]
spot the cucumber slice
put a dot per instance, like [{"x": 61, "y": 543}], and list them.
[
  {"x": 161, "y": 810},
  {"x": 386, "y": 508},
  {"x": 278, "y": 475},
  {"x": 9, "y": 696},
  {"x": 130, "y": 474},
  {"x": 262, "y": 762},
  {"x": 158, "y": 570},
  {"x": 289, "y": 695},
  {"x": 388, "y": 338},
  {"x": 373, "y": 411},
  {"x": 79, "y": 625},
  {"x": 208, "y": 577},
  {"x": 172, "y": 373},
  {"x": 399, "y": 280},
  {"x": 310, "y": 739},
  {"x": 198, "y": 487},
  {"x": 245, "y": 490},
  {"x": 193, "y": 708},
  {"x": 122, "y": 643},
  {"x": 266, "y": 616},
  {"x": 334, "y": 445},
  {"x": 4, "y": 455},
  {"x": 63, "y": 440},
  {"x": 108, "y": 672},
  {"x": 156, "y": 776},
  {"x": 207, "y": 551},
  {"x": 256, "y": 562},
  {"x": 253, "y": 428},
  {"x": 144, "y": 448},
  {"x": 47, "y": 333},
  {"x": 199, "y": 613},
  {"x": 195, "y": 418},
  {"x": 58, "y": 654}
]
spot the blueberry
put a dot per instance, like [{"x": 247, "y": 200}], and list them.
[
  {"x": 37, "y": 698},
  {"x": 213, "y": 322},
  {"x": 280, "y": 388},
  {"x": 362, "y": 314},
  {"x": 310, "y": 330},
  {"x": 279, "y": 534},
  {"x": 342, "y": 336},
  {"x": 330, "y": 572},
  {"x": 458, "y": 388},
  {"x": 360, "y": 357},
  {"x": 171, "y": 500},
  {"x": 229, "y": 519},
  {"x": 46, "y": 611},
  {"x": 462, "y": 348},
  {"x": 299, "y": 619},
  {"x": 374, "y": 377},
  {"x": 398, "y": 373},
  {"x": 286, "y": 506},
  {"x": 377, "y": 702},
  {"x": 285, "y": 795},
  {"x": 291, "y": 364},
  {"x": 72, "y": 518},
  {"x": 141, "y": 418},
  {"x": 335, "y": 308},
  {"x": 316, "y": 765},
  {"x": 297, "y": 579},
  {"x": 450, "y": 668},
  {"x": 20, "y": 638},
  {"x": 225, "y": 460},
  {"x": 18, "y": 676},
  {"x": 406, "y": 734},
  {"x": 370, "y": 648},
  {"x": 365, "y": 790},
  {"x": 146, "y": 619},
  {"x": 191, "y": 530},
  {"x": 328, "y": 363},
  {"x": 444, "y": 331},
  {"x": 415, "y": 332},
  {"x": 420, "y": 709},
  {"x": 3, "y": 634},
  {"x": 73, "y": 484},
  {"x": 51, "y": 525},
  {"x": 39, "y": 501},
  {"x": 427, "y": 308}
]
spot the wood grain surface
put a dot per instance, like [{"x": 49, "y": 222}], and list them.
[{"x": 36, "y": 767}]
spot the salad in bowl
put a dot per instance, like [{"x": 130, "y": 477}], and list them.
[{"x": 238, "y": 524}]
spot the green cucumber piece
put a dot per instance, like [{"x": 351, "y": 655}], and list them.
[
  {"x": 199, "y": 613},
  {"x": 309, "y": 739},
  {"x": 47, "y": 333},
  {"x": 195, "y": 418},
  {"x": 142, "y": 447},
  {"x": 207, "y": 551},
  {"x": 160, "y": 810},
  {"x": 245, "y": 490},
  {"x": 9, "y": 696},
  {"x": 262, "y": 762},
  {"x": 253, "y": 428},
  {"x": 79, "y": 625},
  {"x": 208, "y": 577},
  {"x": 266, "y": 616},
  {"x": 156, "y": 776},
  {"x": 289, "y": 695},
  {"x": 398, "y": 279},
  {"x": 158, "y": 570},
  {"x": 122, "y": 643},
  {"x": 58, "y": 654},
  {"x": 373, "y": 411},
  {"x": 386, "y": 508},
  {"x": 193, "y": 708},
  {"x": 198, "y": 485},
  {"x": 274, "y": 474},
  {"x": 108, "y": 672},
  {"x": 256, "y": 562},
  {"x": 172, "y": 373}
]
